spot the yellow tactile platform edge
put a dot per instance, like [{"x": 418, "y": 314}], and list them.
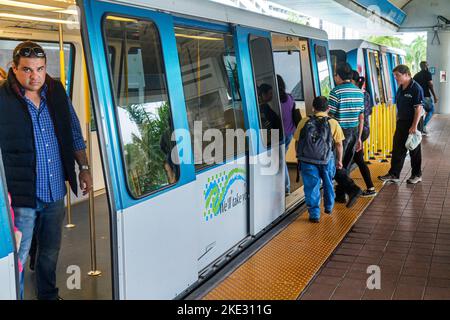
[{"x": 284, "y": 266}]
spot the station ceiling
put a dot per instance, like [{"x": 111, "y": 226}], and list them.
[
  {"x": 395, "y": 15},
  {"x": 356, "y": 14}
]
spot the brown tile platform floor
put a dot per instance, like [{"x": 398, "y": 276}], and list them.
[{"x": 405, "y": 231}]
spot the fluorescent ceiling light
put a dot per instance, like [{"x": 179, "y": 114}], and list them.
[
  {"x": 33, "y": 6},
  {"x": 121, "y": 19},
  {"x": 34, "y": 18},
  {"x": 68, "y": 11},
  {"x": 28, "y": 5},
  {"x": 196, "y": 37}
]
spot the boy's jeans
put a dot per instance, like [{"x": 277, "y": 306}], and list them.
[
  {"x": 312, "y": 175},
  {"x": 49, "y": 230}
]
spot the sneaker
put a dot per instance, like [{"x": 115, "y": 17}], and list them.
[
  {"x": 414, "y": 180},
  {"x": 353, "y": 197},
  {"x": 389, "y": 177},
  {"x": 328, "y": 211},
  {"x": 314, "y": 220},
  {"x": 369, "y": 193},
  {"x": 340, "y": 198}
]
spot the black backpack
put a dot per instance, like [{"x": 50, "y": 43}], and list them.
[{"x": 316, "y": 142}]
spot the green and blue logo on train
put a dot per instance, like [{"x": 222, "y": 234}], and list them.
[{"x": 218, "y": 192}]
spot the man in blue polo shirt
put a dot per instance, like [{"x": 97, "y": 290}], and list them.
[{"x": 409, "y": 99}]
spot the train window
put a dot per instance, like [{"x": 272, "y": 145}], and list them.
[
  {"x": 287, "y": 65},
  {"x": 385, "y": 72},
  {"x": 376, "y": 80},
  {"x": 211, "y": 90},
  {"x": 324, "y": 71},
  {"x": 337, "y": 57},
  {"x": 52, "y": 53},
  {"x": 266, "y": 87},
  {"x": 142, "y": 104}
]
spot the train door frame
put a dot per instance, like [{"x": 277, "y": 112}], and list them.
[
  {"x": 266, "y": 197},
  {"x": 394, "y": 63},
  {"x": 373, "y": 94},
  {"x": 286, "y": 43},
  {"x": 130, "y": 280},
  {"x": 313, "y": 44},
  {"x": 233, "y": 227},
  {"x": 9, "y": 274},
  {"x": 386, "y": 77}
]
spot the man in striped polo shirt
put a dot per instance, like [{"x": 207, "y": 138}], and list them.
[{"x": 346, "y": 104}]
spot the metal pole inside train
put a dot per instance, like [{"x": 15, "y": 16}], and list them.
[
  {"x": 62, "y": 72},
  {"x": 94, "y": 271}
]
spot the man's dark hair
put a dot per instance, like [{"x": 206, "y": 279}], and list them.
[
  {"x": 344, "y": 70},
  {"x": 403, "y": 69},
  {"x": 359, "y": 81},
  {"x": 25, "y": 44},
  {"x": 423, "y": 65},
  {"x": 320, "y": 104}
]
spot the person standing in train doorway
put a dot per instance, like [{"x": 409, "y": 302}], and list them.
[
  {"x": 424, "y": 78},
  {"x": 40, "y": 139},
  {"x": 409, "y": 99},
  {"x": 346, "y": 104},
  {"x": 291, "y": 119}
]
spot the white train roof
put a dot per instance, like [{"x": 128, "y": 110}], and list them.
[
  {"x": 349, "y": 45},
  {"x": 213, "y": 11}
]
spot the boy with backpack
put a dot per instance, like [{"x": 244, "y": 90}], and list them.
[{"x": 316, "y": 138}]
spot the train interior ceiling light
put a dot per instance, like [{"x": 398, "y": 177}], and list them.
[{"x": 10, "y": 9}]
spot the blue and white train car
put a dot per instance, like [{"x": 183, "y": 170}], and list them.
[
  {"x": 374, "y": 62},
  {"x": 167, "y": 79}
]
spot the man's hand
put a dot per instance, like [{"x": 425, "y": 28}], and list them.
[
  {"x": 359, "y": 145},
  {"x": 436, "y": 99},
  {"x": 85, "y": 181},
  {"x": 339, "y": 165},
  {"x": 412, "y": 130}
]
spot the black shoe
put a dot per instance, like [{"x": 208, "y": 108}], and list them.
[
  {"x": 340, "y": 198},
  {"x": 353, "y": 197},
  {"x": 32, "y": 264},
  {"x": 314, "y": 220},
  {"x": 369, "y": 193},
  {"x": 328, "y": 211},
  {"x": 389, "y": 177}
]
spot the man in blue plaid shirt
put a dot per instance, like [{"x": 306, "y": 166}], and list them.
[{"x": 40, "y": 139}]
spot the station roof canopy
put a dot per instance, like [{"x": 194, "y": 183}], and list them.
[{"x": 377, "y": 16}]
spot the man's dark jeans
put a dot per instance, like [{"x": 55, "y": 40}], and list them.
[
  {"x": 48, "y": 236},
  {"x": 345, "y": 184}
]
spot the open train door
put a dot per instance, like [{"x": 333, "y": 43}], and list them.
[
  {"x": 130, "y": 56},
  {"x": 8, "y": 257},
  {"x": 322, "y": 68},
  {"x": 266, "y": 155}
]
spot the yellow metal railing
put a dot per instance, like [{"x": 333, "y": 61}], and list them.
[{"x": 382, "y": 127}]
